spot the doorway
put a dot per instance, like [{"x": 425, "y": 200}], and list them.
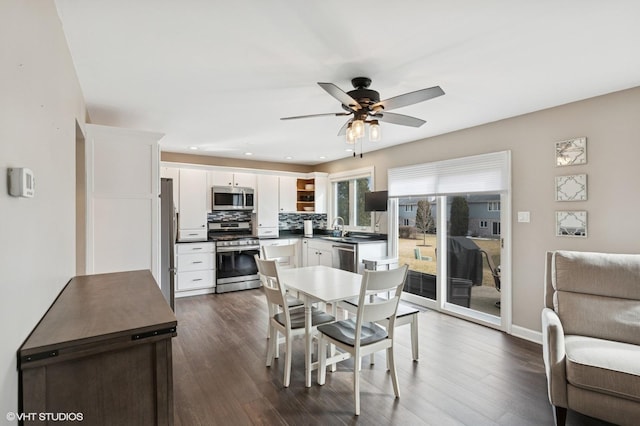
[{"x": 454, "y": 248}]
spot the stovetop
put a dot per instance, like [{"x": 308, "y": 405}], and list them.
[
  {"x": 231, "y": 237},
  {"x": 232, "y": 240},
  {"x": 231, "y": 233}
]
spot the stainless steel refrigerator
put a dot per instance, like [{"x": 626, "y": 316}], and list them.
[{"x": 168, "y": 229}]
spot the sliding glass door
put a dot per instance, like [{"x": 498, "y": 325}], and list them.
[
  {"x": 453, "y": 236},
  {"x": 473, "y": 255},
  {"x": 418, "y": 245},
  {"x": 464, "y": 277}
]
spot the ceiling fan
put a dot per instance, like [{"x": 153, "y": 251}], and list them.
[{"x": 365, "y": 106}]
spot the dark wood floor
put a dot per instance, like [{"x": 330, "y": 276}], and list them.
[{"x": 467, "y": 374}]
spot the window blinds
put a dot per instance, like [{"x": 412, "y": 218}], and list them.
[{"x": 478, "y": 173}]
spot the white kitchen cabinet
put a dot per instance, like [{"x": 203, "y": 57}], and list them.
[
  {"x": 192, "y": 219},
  {"x": 195, "y": 269},
  {"x": 287, "y": 192},
  {"x": 321, "y": 189},
  {"x": 267, "y": 210},
  {"x": 319, "y": 252},
  {"x": 223, "y": 178},
  {"x": 244, "y": 179}
]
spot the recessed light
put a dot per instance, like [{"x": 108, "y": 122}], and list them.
[
  {"x": 193, "y": 147},
  {"x": 322, "y": 157},
  {"x": 349, "y": 150},
  {"x": 248, "y": 153},
  {"x": 288, "y": 157}
]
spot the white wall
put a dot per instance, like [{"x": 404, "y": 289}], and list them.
[
  {"x": 40, "y": 101},
  {"x": 612, "y": 128}
]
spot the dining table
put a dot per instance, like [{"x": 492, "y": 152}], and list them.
[{"x": 318, "y": 284}]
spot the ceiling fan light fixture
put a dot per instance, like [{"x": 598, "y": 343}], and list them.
[
  {"x": 374, "y": 131},
  {"x": 358, "y": 128},
  {"x": 366, "y": 108},
  {"x": 351, "y": 135}
]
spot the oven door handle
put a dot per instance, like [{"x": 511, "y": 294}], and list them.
[{"x": 236, "y": 248}]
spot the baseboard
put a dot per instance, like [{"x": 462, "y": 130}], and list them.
[
  {"x": 187, "y": 293},
  {"x": 526, "y": 334}
]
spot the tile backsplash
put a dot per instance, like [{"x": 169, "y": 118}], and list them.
[
  {"x": 229, "y": 216},
  {"x": 296, "y": 220},
  {"x": 285, "y": 220}
]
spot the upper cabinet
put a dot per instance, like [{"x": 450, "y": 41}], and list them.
[
  {"x": 222, "y": 178},
  {"x": 320, "y": 192},
  {"x": 287, "y": 194},
  {"x": 267, "y": 212},
  {"x": 310, "y": 193},
  {"x": 305, "y": 195},
  {"x": 192, "y": 219}
]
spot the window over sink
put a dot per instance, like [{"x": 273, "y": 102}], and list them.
[{"x": 347, "y": 198}]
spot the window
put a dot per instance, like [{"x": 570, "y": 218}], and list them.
[
  {"x": 348, "y": 198},
  {"x": 484, "y": 224},
  {"x": 493, "y": 206},
  {"x": 406, "y": 222},
  {"x": 496, "y": 228}
]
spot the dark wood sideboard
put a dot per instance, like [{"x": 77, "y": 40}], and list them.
[{"x": 103, "y": 349}]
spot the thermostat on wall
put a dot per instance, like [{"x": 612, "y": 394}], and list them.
[{"x": 21, "y": 182}]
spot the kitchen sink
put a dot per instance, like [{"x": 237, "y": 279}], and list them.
[
  {"x": 334, "y": 238},
  {"x": 352, "y": 240}
]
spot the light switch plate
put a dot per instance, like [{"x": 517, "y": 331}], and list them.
[{"x": 524, "y": 217}]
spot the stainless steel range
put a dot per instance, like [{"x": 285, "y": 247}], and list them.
[{"x": 235, "y": 247}]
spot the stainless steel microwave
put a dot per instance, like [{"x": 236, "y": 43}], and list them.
[{"x": 232, "y": 198}]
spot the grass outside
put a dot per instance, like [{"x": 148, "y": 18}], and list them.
[{"x": 427, "y": 247}]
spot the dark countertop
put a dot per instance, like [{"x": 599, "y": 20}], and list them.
[{"x": 325, "y": 234}]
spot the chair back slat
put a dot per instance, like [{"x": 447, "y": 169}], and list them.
[
  {"x": 378, "y": 311},
  {"x": 268, "y": 272},
  {"x": 387, "y": 281},
  {"x": 391, "y": 281},
  {"x": 285, "y": 255}
]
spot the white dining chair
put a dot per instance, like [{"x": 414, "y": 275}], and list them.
[
  {"x": 289, "y": 321},
  {"x": 406, "y": 315},
  {"x": 285, "y": 256},
  {"x": 363, "y": 336}
]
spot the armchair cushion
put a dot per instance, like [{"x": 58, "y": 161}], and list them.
[
  {"x": 603, "y": 366},
  {"x": 598, "y": 294}
]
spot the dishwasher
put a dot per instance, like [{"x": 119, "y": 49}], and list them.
[{"x": 345, "y": 257}]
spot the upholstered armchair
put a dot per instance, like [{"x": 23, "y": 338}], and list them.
[{"x": 591, "y": 335}]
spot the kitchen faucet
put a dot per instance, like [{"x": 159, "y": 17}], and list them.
[{"x": 335, "y": 226}]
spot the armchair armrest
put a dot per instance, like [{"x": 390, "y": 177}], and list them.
[{"x": 554, "y": 355}]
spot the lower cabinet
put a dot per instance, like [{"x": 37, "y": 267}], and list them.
[
  {"x": 196, "y": 269},
  {"x": 318, "y": 252}
]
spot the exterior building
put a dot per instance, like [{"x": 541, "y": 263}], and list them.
[{"x": 484, "y": 213}]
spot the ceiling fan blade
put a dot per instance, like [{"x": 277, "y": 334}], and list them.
[
  {"x": 340, "y": 95},
  {"x": 336, "y": 114},
  {"x": 410, "y": 98},
  {"x": 403, "y": 120},
  {"x": 343, "y": 129}
]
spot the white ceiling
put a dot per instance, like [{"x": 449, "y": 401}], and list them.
[{"x": 218, "y": 75}]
